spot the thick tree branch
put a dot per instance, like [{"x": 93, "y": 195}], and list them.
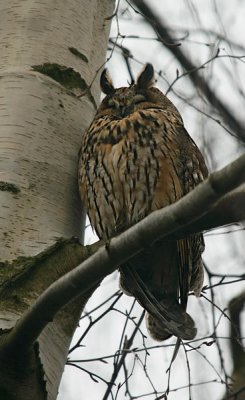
[
  {"x": 228, "y": 210},
  {"x": 158, "y": 225},
  {"x": 193, "y": 71}
]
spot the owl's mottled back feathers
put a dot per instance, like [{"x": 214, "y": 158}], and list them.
[{"x": 135, "y": 158}]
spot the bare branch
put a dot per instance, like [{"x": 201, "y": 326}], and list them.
[
  {"x": 127, "y": 344},
  {"x": 193, "y": 71},
  {"x": 158, "y": 225}
]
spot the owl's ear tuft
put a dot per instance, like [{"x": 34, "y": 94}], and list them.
[
  {"x": 106, "y": 83},
  {"x": 146, "y": 78}
]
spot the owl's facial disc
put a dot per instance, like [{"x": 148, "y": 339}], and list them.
[{"x": 125, "y": 106}]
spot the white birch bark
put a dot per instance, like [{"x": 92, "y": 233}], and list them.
[{"x": 41, "y": 123}]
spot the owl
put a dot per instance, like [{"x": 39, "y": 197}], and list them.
[{"x": 136, "y": 157}]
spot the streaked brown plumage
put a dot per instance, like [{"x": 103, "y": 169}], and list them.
[{"x": 137, "y": 157}]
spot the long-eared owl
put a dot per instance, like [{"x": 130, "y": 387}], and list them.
[{"x": 136, "y": 157}]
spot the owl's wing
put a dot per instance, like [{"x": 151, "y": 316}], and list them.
[
  {"x": 185, "y": 267},
  {"x": 166, "y": 315},
  {"x": 190, "y": 249}
]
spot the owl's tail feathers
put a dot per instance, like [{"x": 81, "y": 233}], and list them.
[
  {"x": 164, "y": 317},
  {"x": 182, "y": 326}
]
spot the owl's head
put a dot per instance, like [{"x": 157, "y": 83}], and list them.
[{"x": 121, "y": 102}]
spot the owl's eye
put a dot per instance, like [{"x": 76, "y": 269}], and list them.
[{"x": 139, "y": 98}]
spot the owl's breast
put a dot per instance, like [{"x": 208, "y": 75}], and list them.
[{"x": 126, "y": 171}]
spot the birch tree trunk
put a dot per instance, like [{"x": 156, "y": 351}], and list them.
[{"x": 50, "y": 53}]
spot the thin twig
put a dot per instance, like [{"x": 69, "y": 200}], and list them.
[
  {"x": 168, "y": 41},
  {"x": 117, "y": 367}
]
